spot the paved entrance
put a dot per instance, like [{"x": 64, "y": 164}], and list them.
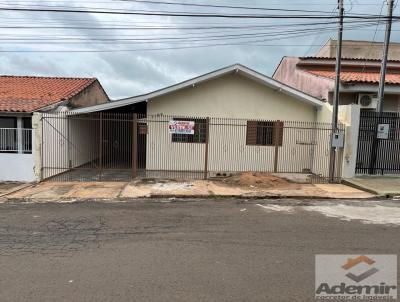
[
  {"x": 379, "y": 185},
  {"x": 67, "y": 191}
]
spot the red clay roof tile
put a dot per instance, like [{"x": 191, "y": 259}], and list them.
[
  {"x": 345, "y": 58},
  {"x": 28, "y": 94},
  {"x": 358, "y": 77}
]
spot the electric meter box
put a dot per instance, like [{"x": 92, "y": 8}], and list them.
[{"x": 338, "y": 140}]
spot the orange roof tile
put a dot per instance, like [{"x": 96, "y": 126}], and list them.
[
  {"x": 28, "y": 94},
  {"x": 346, "y": 58},
  {"x": 358, "y": 77}
]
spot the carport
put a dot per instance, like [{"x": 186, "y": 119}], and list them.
[{"x": 93, "y": 146}]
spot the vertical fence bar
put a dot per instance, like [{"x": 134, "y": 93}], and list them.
[
  {"x": 277, "y": 139},
  {"x": 100, "y": 145},
  {"x": 42, "y": 154},
  {"x": 206, "y": 148},
  {"x": 134, "y": 145}
]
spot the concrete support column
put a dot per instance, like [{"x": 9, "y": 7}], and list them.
[
  {"x": 350, "y": 115},
  {"x": 37, "y": 125},
  {"x": 20, "y": 126}
]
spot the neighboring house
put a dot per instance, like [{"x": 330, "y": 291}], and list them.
[
  {"x": 359, "y": 84},
  {"x": 359, "y": 49},
  {"x": 20, "y": 97},
  {"x": 359, "y": 80},
  {"x": 252, "y": 118}
]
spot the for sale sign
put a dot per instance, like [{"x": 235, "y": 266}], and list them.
[{"x": 181, "y": 127}]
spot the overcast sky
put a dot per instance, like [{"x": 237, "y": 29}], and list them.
[{"x": 124, "y": 74}]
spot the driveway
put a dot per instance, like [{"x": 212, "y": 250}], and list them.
[{"x": 183, "y": 251}]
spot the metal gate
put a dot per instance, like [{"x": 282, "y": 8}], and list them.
[
  {"x": 92, "y": 147},
  {"x": 120, "y": 147},
  {"x": 385, "y": 159}
]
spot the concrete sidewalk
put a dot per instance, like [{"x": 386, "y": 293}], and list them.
[
  {"x": 384, "y": 186},
  {"x": 71, "y": 191},
  {"x": 8, "y": 187}
]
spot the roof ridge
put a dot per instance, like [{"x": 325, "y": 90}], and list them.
[
  {"x": 47, "y": 77},
  {"x": 346, "y": 58},
  {"x": 368, "y": 41}
]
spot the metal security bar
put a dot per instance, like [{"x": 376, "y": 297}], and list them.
[
  {"x": 388, "y": 149},
  {"x": 15, "y": 140},
  {"x": 111, "y": 146}
]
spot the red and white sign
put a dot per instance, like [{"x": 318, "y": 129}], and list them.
[{"x": 181, "y": 127}]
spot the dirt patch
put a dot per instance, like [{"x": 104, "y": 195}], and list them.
[{"x": 256, "y": 180}]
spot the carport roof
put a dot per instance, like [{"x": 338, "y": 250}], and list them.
[{"x": 236, "y": 68}]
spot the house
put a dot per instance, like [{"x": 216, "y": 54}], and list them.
[
  {"x": 359, "y": 49},
  {"x": 359, "y": 83},
  {"x": 229, "y": 120},
  {"x": 359, "y": 80},
  {"x": 20, "y": 97}
]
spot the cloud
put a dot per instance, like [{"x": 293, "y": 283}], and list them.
[{"x": 125, "y": 74}]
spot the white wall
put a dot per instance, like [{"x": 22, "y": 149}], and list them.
[
  {"x": 350, "y": 116},
  {"x": 18, "y": 167}
]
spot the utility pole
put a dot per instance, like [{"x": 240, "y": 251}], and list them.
[
  {"x": 381, "y": 90},
  {"x": 336, "y": 91}
]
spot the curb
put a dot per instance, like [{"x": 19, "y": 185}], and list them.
[
  {"x": 154, "y": 196},
  {"x": 180, "y": 198}
]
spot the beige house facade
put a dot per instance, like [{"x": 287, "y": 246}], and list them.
[
  {"x": 232, "y": 96},
  {"x": 244, "y": 121},
  {"x": 236, "y": 97}
]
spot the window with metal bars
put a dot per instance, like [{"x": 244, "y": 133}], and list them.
[{"x": 264, "y": 133}]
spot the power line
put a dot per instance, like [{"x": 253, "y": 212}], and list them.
[
  {"x": 197, "y": 5},
  {"x": 287, "y": 34},
  {"x": 309, "y": 49},
  {"x": 261, "y": 26},
  {"x": 374, "y": 36},
  {"x": 185, "y": 14},
  {"x": 269, "y": 3},
  {"x": 195, "y": 38}
]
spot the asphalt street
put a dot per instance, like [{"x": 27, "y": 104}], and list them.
[{"x": 226, "y": 250}]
